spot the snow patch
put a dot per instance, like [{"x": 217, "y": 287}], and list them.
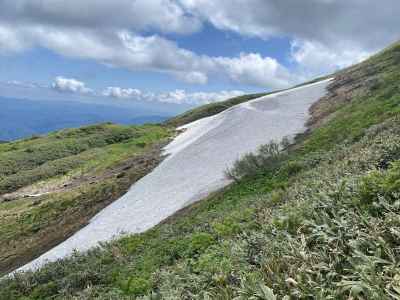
[{"x": 198, "y": 158}]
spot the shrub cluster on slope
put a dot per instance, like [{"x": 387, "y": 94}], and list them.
[
  {"x": 267, "y": 157},
  {"x": 322, "y": 222}
]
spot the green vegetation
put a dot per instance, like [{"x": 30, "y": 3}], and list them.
[
  {"x": 209, "y": 110},
  {"x": 317, "y": 221},
  {"x": 50, "y": 186},
  {"x": 28, "y": 161},
  {"x": 268, "y": 157}
]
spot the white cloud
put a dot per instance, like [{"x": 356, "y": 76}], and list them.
[
  {"x": 329, "y": 33},
  {"x": 75, "y": 87},
  {"x": 367, "y": 24},
  {"x": 193, "y": 77},
  {"x": 235, "y": 15},
  {"x": 176, "y": 97},
  {"x": 252, "y": 68},
  {"x": 198, "y": 98},
  {"x": 11, "y": 40},
  {"x": 70, "y": 85},
  {"x": 205, "y": 98},
  {"x": 137, "y": 15},
  {"x": 317, "y": 58},
  {"x": 118, "y": 92}
]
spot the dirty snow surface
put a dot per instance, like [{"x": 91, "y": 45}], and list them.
[{"x": 195, "y": 165}]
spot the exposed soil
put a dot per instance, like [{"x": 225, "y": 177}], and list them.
[{"x": 347, "y": 85}]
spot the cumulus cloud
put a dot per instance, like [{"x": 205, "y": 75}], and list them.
[
  {"x": 70, "y": 85},
  {"x": 252, "y": 68},
  {"x": 176, "y": 97},
  {"x": 316, "y": 58},
  {"x": 62, "y": 84},
  {"x": 193, "y": 77},
  {"x": 11, "y": 40},
  {"x": 328, "y": 33},
  {"x": 137, "y": 15},
  {"x": 198, "y": 98},
  {"x": 368, "y": 24},
  {"x": 118, "y": 92}
]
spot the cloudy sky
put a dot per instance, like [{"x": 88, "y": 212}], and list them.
[{"x": 182, "y": 51}]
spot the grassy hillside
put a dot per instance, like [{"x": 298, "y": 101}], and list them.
[
  {"x": 319, "y": 221},
  {"x": 51, "y": 185}
]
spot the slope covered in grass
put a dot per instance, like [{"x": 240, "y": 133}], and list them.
[
  {"x": 51, "y": 185},
  {"x": 320, "y": 222}
]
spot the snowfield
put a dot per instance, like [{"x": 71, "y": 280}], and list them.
[{"x": 195, "y": 166}]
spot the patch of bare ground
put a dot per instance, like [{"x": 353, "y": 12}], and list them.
[{"x": 347, "y": 85}]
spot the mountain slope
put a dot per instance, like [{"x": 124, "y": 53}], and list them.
[
  {"x": 318, "y": 220},
  {"x": 50, "y": 186}
]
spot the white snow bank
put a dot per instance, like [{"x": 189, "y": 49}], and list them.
[{"x": 195, "y": 166}]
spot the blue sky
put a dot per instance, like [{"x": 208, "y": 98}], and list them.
[{"x": 187, "y": 52}]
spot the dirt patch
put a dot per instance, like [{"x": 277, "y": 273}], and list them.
[{"x": 347, "y": 85}]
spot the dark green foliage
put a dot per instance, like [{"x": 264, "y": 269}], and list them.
[
  {"x": 268, "y": 157},
  {"x": 380, "y": 184},
  {"x": 135, "y": 286},
  {"x": 199, "y": 242}
]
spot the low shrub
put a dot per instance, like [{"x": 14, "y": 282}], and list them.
[{"x": 267, "y": 157}]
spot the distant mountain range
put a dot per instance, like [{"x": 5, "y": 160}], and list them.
[{"x": 24, "y": 118}]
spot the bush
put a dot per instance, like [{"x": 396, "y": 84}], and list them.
[
  {"x": 135, "y": 286},
  {"x": 380, "y": 188},
  {"x": 199, "y": 242},
  {"x": 268, "y": 157}
]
